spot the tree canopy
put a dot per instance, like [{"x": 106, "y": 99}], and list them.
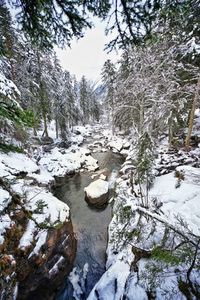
[{"x": 50, "y": 22}]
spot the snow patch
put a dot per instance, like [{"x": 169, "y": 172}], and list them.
[
  {"x": 5, "y": 199},
  {"x": 97, "y": 188}
]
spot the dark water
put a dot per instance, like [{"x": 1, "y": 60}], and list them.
[{"x": 90, "y": 225}]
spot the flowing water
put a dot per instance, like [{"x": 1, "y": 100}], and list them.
[{"x": 90, "y": 227}]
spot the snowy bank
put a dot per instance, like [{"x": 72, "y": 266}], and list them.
[
  {"x": 35, "y": 228},
  {"x": 150, "y": 251}
]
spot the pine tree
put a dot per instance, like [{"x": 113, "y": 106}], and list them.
[
  {"x": 7, "y": 41},
  {"x": 93, "y": 101},
  {"x": 109, "y": 77},
  {"x": 143, "y": 166},
  {"x": 84, "y": 100}
]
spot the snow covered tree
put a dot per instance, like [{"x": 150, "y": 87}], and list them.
[
  {"x": 143, "y": 166},
  {"x": 152, "y": 94},
  {"x": 93, "y": 102},
  {"x": 8, "y": 41},
  {"x": 42, "y": 78},
  {"x": 109, "y": 77},
  {"x": 84, "y": 100},
  {"x": 185, "y": 35},
  {"x": 57, "y": 22},
  {"x": 192, "y": 113},
  {"x": 65, "y": 109}
]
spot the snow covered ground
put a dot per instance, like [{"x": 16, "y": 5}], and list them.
[{"x": 139, "y": 265}]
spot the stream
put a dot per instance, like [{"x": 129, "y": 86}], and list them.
[{"x": 90, "y": 227}]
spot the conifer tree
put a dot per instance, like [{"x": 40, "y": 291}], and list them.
[
  {"x": 84, "y": 100},
  {"x": 8, "y": 41},
  {"x": 143, "y": 165},
  {"x": 109, "y": 77}
]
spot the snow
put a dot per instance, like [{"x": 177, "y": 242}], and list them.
[
  {"x": 19, "y": 186},
  {"x": 97, "y": 188},
  {"x": 59, "y": 164},
  {"x": 74, "y": 279},
  {"x": 44, "y": 177},
  {"x": 76, "y": 139},
  {"x": 5, "y": 223},
  {"x": 177, "y": 201},
  {"x": 126, "y": 145},
  {"x": 116, "y": 144},
  {"x": 118, "y": 280},
  {"x": 182, "y": 201},
  {"x": 28, "y": 237},
  {"x": 44, "y": 207},
  {"x": 77, "y": 278},
  {"x": 5, "y": 199},
  {"x": 52, "y": 212},
  {"x": 91, "y": 163},
  {"x": 134, "y": 291},
  {"x": 103, "y": 177},
  {"x": 18, "y": 162},
  {"x": 55, "y": 269},
  {"x": 84, "y": 130},
  {"x": 5, "y": 173},
  {"x": 192, "y": 45},
  {"x": 41, "y": 239},
  {"x": 112, "y": 283},
  {"x": 8, "y": 88}
]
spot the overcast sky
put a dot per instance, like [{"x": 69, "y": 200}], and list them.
[{"x": 86, "y": 56}]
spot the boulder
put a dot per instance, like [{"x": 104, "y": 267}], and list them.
[
  {"x": 46, "y": 140},
  {"x": 126, "y": 145},
  {"x": 96, "y": 193},
  {"x": 64, "y": 144}
]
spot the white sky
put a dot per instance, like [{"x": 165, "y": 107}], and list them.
[{"x": 86, "y": 56}]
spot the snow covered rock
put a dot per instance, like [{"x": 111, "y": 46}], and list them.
[
  {"x": 126, "y": 145},
  {"x": 102, "y": 174},
  {"x": 59, "y": 164},
  {"x": 17, "y": 163},
  {"x": 5, "y": 199},
  {"x": 97, "y": 193},
  {"x": 116, "y": 145}
]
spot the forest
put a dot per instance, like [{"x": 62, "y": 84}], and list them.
[{"x": 127, "y": 147}]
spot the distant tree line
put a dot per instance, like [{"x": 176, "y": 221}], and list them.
[{"x": 36, "y": 83}]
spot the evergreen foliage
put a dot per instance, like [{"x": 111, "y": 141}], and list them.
[
  {"x": 144, "y": 160},
  {"x": 57, "y": 22},
  {"x": 10, "y": 148}
]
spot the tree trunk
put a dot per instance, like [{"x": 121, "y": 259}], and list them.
[
  {"x": 56, "y": 127},
  {"x": 170, "y": 133},
  {"x": 34, "y": 130},
  {"x": 45, "y": 133},
  {"x": 191, "y": 118},
  {"x": 141, "y": 115},
  {"x": 43, "y": 96}
]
